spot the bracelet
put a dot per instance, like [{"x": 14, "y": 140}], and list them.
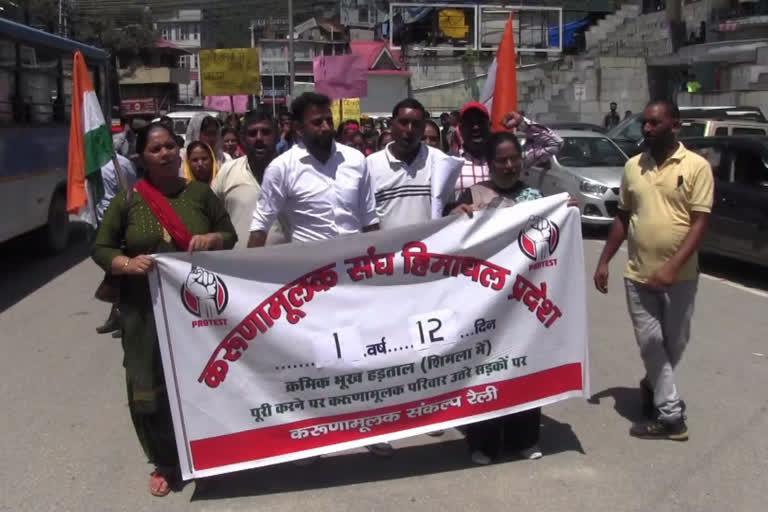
[{"x": 125, "y": 265}]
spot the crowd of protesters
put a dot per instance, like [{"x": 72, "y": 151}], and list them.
[{"x": 258, "y": 181}]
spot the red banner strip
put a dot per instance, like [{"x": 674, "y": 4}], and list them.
[{"x": 266, "y": 442}]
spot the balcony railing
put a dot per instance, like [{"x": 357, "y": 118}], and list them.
[{"x": 744, "y": 14}]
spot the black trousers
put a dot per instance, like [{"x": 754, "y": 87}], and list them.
[{"x": 513, "y": 432}]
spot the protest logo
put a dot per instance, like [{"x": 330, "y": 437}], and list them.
[
  {"x": 539, "y": 238},
  {"x": 203, "y": 293}
]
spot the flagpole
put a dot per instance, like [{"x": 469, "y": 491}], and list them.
[{"x": 291, "y": 56}]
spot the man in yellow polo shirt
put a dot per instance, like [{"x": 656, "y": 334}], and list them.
[{"x": 665, "y": 201}]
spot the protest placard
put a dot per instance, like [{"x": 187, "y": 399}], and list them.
[
  {"x": 341, "y": 76},
  {"x": 286, "y": 352},
  {"x": 230, "y": 71},
  {"x": 342, "y": 110}
]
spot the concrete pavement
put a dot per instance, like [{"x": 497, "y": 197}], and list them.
[{"x": 68, "y": 443}]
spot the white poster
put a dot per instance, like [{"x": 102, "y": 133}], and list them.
[{"x": 286, "y": 352}]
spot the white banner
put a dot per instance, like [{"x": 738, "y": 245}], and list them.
[{"x": 286, "y": 352}]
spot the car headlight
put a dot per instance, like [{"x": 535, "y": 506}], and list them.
[{"x": 592, "y": 187}]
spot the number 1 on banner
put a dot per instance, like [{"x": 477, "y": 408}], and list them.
[
  {"x": 429, "y": 329},
  {"x": 340, "y": 344}
]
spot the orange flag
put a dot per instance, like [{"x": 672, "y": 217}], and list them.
[{"x": 505, "y": 89}]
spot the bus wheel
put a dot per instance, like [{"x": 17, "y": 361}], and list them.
[{"x": 55, "y": 234}]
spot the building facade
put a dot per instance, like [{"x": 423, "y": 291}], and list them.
[{"x": 183, "y": 28}]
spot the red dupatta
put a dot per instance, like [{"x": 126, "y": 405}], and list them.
[{"x": 164, "y": 213}]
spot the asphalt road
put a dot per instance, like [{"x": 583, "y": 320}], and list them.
[{"x": 68, "y": 443}]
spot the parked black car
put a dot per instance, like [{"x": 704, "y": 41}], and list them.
[{"x": 738, "y": 225}]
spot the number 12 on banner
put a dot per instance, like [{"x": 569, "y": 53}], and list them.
[{"x": 429, "y": 329}]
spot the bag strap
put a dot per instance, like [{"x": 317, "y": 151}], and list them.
[{"x": 124, "y": 211}]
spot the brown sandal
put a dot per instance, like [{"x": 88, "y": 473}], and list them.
[{"x": 156, "y": 481}]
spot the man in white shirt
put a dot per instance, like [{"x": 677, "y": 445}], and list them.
[
  {"x": 114, "y": 183},
  {"x": 404, "y": 173},
  {"x": 238, "y": 182},
  {"x": 322, "y": 187}
]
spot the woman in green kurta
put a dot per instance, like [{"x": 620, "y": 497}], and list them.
[{"x": 124, "y": 242}]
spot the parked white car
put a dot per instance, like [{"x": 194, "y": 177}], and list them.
[
  {"x": 589, "y": 167},
  {"x": 182, "y": 118}
]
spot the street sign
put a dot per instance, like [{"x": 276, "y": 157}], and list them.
[
  {"x": 230, "y": 71},
  {"x": 138, "y": 106}
]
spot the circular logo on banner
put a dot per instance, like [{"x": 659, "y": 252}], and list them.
[
  {"x": 203, "y": 293},
  {"x": 539, "y": 238}
]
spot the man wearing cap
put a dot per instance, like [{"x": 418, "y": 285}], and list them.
[{"x": 475, "y": 126}]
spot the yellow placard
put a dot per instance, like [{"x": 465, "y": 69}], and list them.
[
  {"x": 230, "y": 71},
  {"x": 349, "y": 109},
  {"x": 453, "y": 23}
]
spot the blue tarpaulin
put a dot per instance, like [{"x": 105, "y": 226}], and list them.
[{"x": 569, "y": 30}]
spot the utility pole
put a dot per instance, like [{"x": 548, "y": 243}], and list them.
[
  {"x": 291, "y": 56},
  {"x": 253, "y": 45}
]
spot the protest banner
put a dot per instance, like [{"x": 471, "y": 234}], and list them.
[
  {"x": 286, "y": 352},
  {"x": 230, "y": 71},
  {"x": 342, "y": 110}
]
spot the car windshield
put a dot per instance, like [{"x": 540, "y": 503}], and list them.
[
  {"x": 590, "y": 152},
  {"x": 180, "y": 125},
  {"x": 630, "y": 129}
]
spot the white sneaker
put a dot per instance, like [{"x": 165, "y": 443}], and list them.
[
  {"x": 532, "y": 453},
  {"x": 381, "y": 449},
  {"x": 480, "y": 458}
]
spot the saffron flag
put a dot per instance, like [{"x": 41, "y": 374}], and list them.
[
  {"x": 505, "y": 83},
  {"x": 90, "y": 145},
  {"x": 341, "y": 76}
]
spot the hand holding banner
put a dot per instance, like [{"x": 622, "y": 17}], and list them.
[{"x": 373, "y": 337}]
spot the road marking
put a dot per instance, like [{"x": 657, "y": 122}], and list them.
[
  {"x": 722, "y": 280},
  {"x": 753, "y": 291}
]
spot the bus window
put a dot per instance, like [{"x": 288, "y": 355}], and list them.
[
  {"x": 7, "y": 80},
  {"x": 39, "y": 81}
]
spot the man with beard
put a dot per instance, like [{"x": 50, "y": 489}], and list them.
[
  {"x": 664, "y": 205},
  {"x": 238, "y": 182},
  {"x": 475, "y": 127},
  {"x": 402, "y": 173},
  {"x": 321, "y": 186}
]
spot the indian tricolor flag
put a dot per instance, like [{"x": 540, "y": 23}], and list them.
[{"x": 90, "y": 146}]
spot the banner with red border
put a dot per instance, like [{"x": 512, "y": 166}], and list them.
[{"x": 287, "y": 352}]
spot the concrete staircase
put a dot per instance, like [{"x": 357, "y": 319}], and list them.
[{"x": 610, "y": 24}]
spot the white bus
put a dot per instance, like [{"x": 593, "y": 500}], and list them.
[{"x": 35, "y": 104}]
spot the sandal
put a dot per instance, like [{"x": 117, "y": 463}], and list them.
[{"x": 156, "y": 481}]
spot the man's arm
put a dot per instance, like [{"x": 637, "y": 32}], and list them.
[
  {"x": 701, "y": 196},
  {"x": 257, "y": 239},
  {"x": 615, "y": 238},
  {"x": 541, "y": 142},
  {"x": 270, "y": 204},
  {"x": 368, "y": 217},
  {"x": 667, "y": 273}
]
